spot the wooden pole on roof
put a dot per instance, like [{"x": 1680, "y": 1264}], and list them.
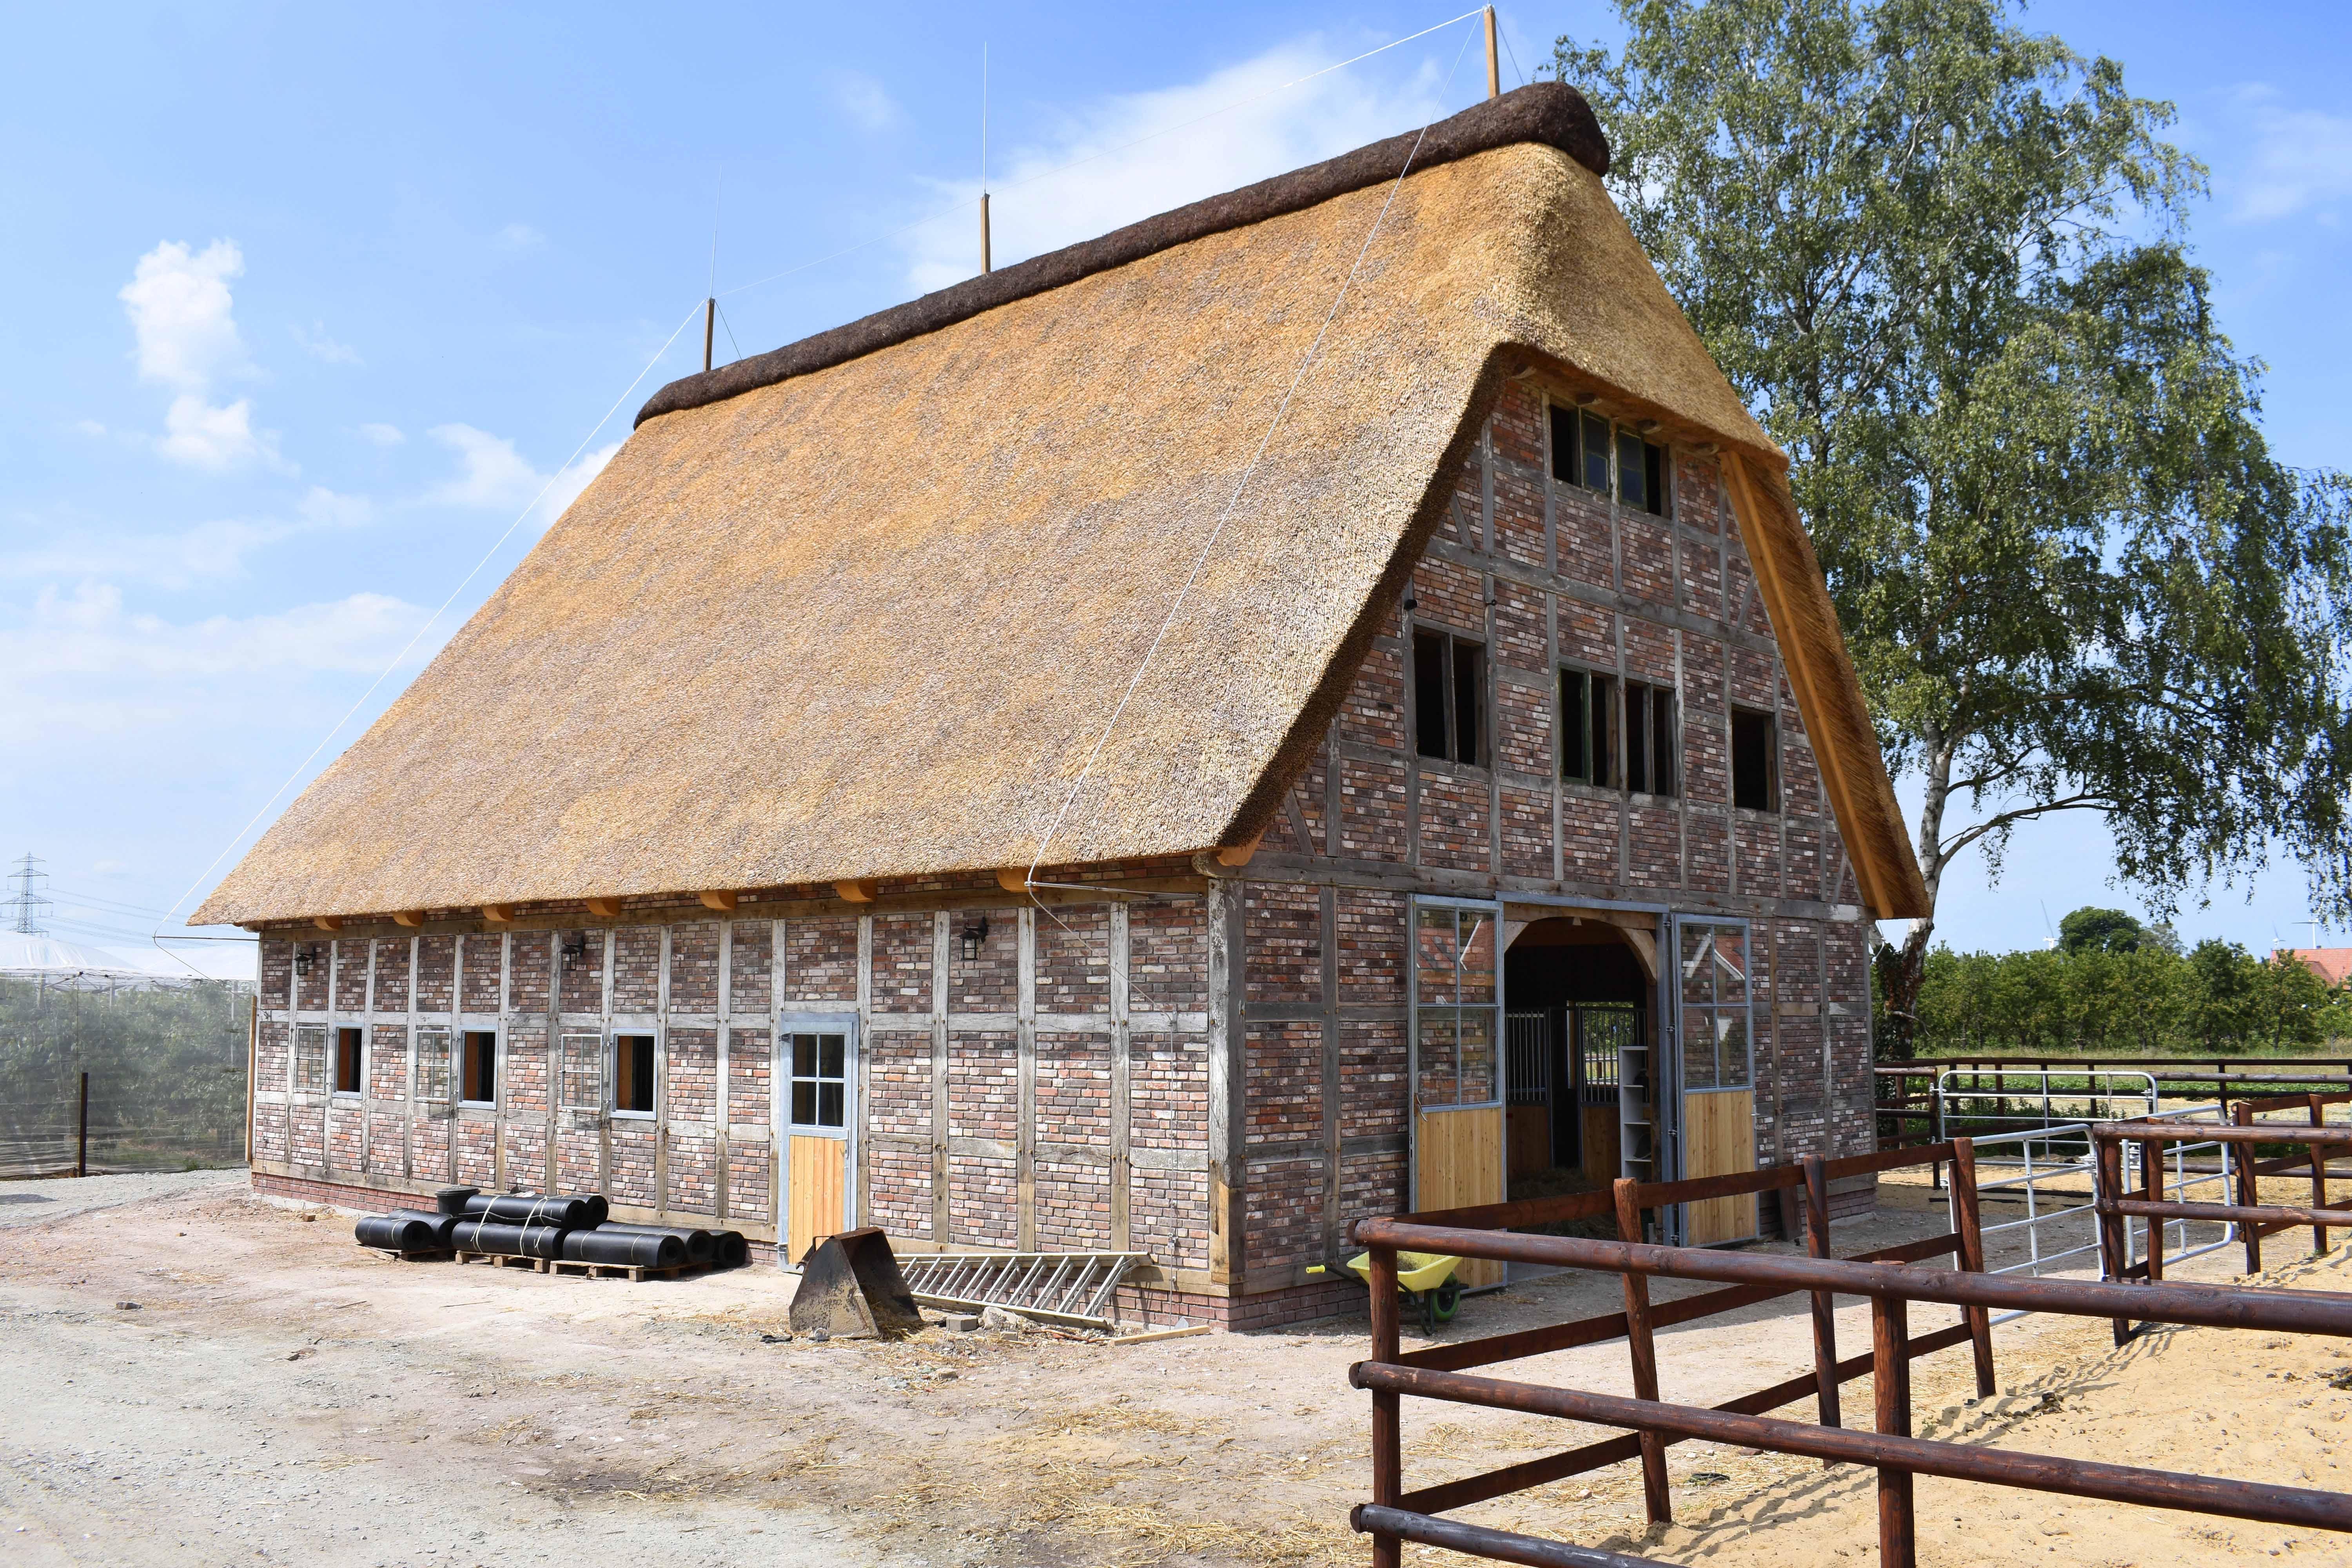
[
  {"x": 710, "y": 321},
  {"x": 1494, "y": 66},
  {"x": 984, "y": 265}
]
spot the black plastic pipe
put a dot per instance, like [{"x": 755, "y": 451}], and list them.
[
  {"x": 624, "y": 1249},
  {"x": 535, "y": 1208},
  {"x": 490, "y": 1236},
  {"x": 455, "y": 1201},
  {"x": 398, "y": 1233},
  {"x": 701, "y": 1246}
]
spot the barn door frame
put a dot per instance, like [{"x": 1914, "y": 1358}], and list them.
[
  {"x": 780, "y": 1108},
  {"x": 1424, "y": 1003},
  {"x": 1710, "y": 986}
]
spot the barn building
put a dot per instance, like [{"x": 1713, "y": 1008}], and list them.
[{"x": 1312, "y": 705}]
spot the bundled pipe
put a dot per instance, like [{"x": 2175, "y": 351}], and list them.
[
  {"x": 500, "y": 1238},
  {"x": 405, "y": 1230},
  {"x": 701, "y": 1246},
  {"x": 452, "y": 1201},
  {"x": 534, "y": 1208},
  {"x": 624, "y": 1248}
]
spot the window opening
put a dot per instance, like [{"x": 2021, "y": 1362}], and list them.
[
  {"x": 1587, "y": 709},
  {"x": 1449, "y": 676},
  {"x": 1650, "y": 739},
  {"x": 1754, "y": 781},
  {"x": 432, "y": 1066},
  {"x": 479, "y": 1074},
  {"x": 633, "y": 1074},
  {"x": 1581, "y": 447},
  {"x": 347, "y": 1061},
  {"x": 820, "y": 1077},
  {"x": 583, "y": 1085},
  {"x": 309, "y": 1058}
]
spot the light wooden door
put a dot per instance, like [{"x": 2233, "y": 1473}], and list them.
[
  {"x": 1717, "y": 1072},
  {"x": 816, "y": 1111},
  {"x": 1458, "y": 1162}
]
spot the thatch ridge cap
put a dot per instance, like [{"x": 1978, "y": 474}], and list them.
[{"x": 1550, "y": 112}]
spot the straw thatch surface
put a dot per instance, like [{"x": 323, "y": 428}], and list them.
[{"x": 870, "y": 621}]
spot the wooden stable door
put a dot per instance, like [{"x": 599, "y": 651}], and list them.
[
  {"x": 1457, "y": 1079},
  {"x": 813, "y": 1077},
  {"x": 1717, "y": 1080},
  {"x": 1458, "y": 1162}
]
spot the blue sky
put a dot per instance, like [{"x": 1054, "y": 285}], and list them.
[{"x": 316, "y": 304}]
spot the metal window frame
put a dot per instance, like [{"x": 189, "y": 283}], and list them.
[
  {"x": 458, "y": 1085},
  {"x": 791, "y": 1024},
  {"x": 1492, "y": 909},
  {"x": 612, "y": 1094},
  {"x": 335, "y": 1061}
]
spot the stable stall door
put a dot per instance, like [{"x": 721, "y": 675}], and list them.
[
  {"x": 814, "y": 1072},
  {"x": 1457, "y": 1080},
  {"x": 1718, "y": 1093}
]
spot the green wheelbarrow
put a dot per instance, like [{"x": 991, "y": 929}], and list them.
[{"x": 1426, "y": 1277}]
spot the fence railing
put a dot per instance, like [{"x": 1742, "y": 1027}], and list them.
[
  {"x": 1891, "y": 1277},
  {"x": 1906, "y": 1090}
]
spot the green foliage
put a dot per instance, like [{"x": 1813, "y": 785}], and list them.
[
  {"x": 1944, "y": 259},
  {"x": 167, "y": 1071},
  {"x": 2106, "y": 931},
  {"x": 2148, "y": 1000}
]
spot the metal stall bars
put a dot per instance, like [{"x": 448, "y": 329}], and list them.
[
  {"x": 1073, "y": 1288},
  {"x": 1394, "y": 1516}
]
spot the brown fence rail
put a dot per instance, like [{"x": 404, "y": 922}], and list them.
[{"x": 1892, "y": 1279}]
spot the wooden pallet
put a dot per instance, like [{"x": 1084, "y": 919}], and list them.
[
  {"x": 629, "y": 1270},
  {"x": 423, "y": 1255},
  {"x": 505, "y": 1260}
]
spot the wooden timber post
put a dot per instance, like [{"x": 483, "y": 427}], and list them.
[
  {"x": 2115, "y": 1236},
  {"x": 985, "y": 260},
  {"x": 2249, "y": 1187},
  {"x": 2151, "y": 1183},
  {"x": 709, "y": 324},
  {"x": 1970, "y": 1224},
  {"x": 1644, "y": 1350},
  {"x": 1494, "y": 66},
  {"x": 1817, "y": 1245},
  {"x": 1890, "y": 1371},
  {"x": 1388, "y": 1452}
]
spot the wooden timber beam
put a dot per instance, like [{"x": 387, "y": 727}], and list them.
[
  {"x": 721, "y": 899},
  {"x": 858, "y": 890},
  {"x": 327, "y": 922},
  {"x": 499, "y": 914},
  {"x": 604, "y": 907},
  {"x": 410, "y": 919}
]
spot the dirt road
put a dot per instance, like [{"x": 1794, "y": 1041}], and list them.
[{"x": 276, "y": 1394}]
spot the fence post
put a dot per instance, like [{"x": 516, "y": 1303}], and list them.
[
  {"x": 2249, "y": 1187},
  {"x": 2151, "y": 1182},
  {"x": 81, "y": 1131},
  {"x": 1644, "y": 1353},
  {"x": 1817, "y": 1245},
  {"x": 2318, "y": 1177},
  {"x": 1388, "y": 1455},
  {"x": 1890, "y": 1374},
  {"x": 2115, "y": 1238},
  {"x": 1972, "y": 1258}
]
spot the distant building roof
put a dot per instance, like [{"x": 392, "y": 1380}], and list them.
[
  {"x": 27, "y": 955},
  {"x": 2333, "y": 964}
]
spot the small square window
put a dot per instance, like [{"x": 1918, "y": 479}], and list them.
[
  {"x": 347, "y": 1061},
  {"x": 1755, "y": 773},
  {"x": 1449, "y": 697},
  {"x": 478, "y": 1073},
  {"x": 820, "y": 1077},
  {"x": 633, "y": 1073}
]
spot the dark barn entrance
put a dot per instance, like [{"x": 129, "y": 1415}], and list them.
[{"x": 1578, "y": 1074}]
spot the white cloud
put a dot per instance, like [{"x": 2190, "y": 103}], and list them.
[
  {"x": 862, "y": 100},
  {"x": 382, "y": 434},
  {"x": 179, "y": 307},
  {"x": 497, "y": 478},
  {"x": 1280, "y": 128},
  {"x": 2302, "y": 158},
  {"x": 211, "y": 551},
  {"x": 218, "y": 439},
  {"x": 317, "y": 343},
  {"x": 518, "y": 236},
  {"x": 89, "y": 428},
  {"x": 83, "y": 663}
]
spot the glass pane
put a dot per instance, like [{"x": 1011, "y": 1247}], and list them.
[
  {"x": 1731, "y": 964},
  {"x": 1632, "y": 472},
  {"x": 803, "y": 1056},
  {"x": 1563, "y": 443},
  {"x": 1433, "y": 946},
  {"x": 1477, "y": 1087},
  {"x": 829, "y": 1054},
  {"x": 1698, "y": 1048},
  {"x": 1697, "y": 963},
  {"x": 1731, "y": 1038},
  {"x": 1596, "y": 452},
  {"x": 804, "y": 1105},
  {"x": 1439, "y": 1084},
  {"x": 309, "y": 1058},
  {"x": 828, "y": 1105},
  {"x": 1477, "y": 956}
]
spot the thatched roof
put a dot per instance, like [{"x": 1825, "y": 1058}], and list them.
[{"x": 867, "y": 618}]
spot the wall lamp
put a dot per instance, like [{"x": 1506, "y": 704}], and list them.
[
  {"x": 970, "y": 938},
  {"x": 575, "y": 947},
  {"x": 304, "y": 957}
]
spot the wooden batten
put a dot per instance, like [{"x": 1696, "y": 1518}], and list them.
[
  {"x": 721, "y": 899},
  {"x": 499, "y": 914},
  {"x": 858, "y": 890},
  {"x": 606, "y": 908},
  {"x": 327, "y": 922},
  {"x": 1238, "y": 855},
  {"x": 410, "y": 919},
  {"x": 1012, "y": 879}
]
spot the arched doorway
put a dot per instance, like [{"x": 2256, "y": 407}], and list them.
[{"x": 1581, "y": 1036}]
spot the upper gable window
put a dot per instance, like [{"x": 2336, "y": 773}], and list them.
[
  {"x": 1449, "y": 686},
  {"x": 1588, "y": 451},
  {"x": 1650, "y": 739},
  {"x": 1755, "y": 781}
]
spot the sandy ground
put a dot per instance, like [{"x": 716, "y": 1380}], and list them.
[{"x": 276, "y": 1394}]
